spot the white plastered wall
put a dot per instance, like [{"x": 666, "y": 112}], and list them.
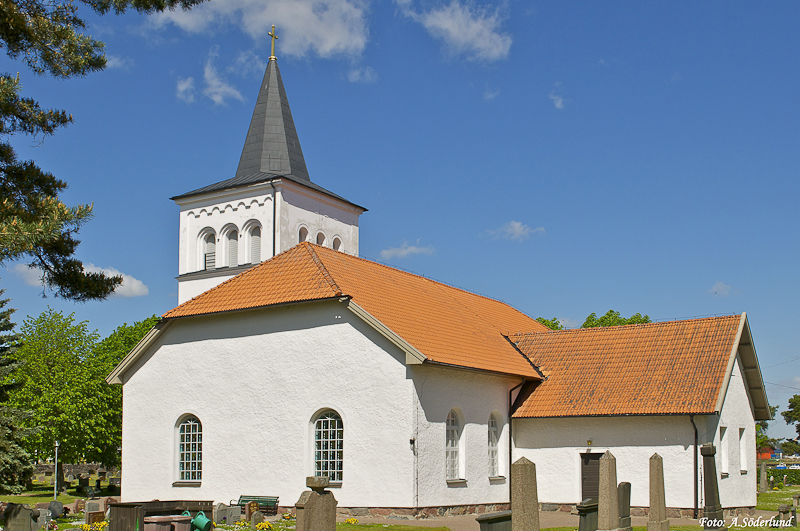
[
  {"x": 255, "y": 380},
  {"x": 474, "y": 395}
]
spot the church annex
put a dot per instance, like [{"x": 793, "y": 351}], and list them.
[{"x": 289, "y": 356}]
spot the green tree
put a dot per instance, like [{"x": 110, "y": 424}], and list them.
[
  {"x": 792, "y": 415},
  {"x": 790, "y": 447},
  {"x": 15, "y": 463},
  {"x": 552, "y": 324},
  {"x": 762, "y": 439},
  {"x": 47, "y": 35},
  {"x": 613, "y": 318}
]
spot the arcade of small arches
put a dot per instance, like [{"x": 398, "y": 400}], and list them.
[
  {"x": 230, "y": 252},
  {"x": 304, "y": 235}
]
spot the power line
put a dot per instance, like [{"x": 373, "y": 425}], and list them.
[
  {"x": 781, "y": 363},
  {"x": 786, "y": 386}
]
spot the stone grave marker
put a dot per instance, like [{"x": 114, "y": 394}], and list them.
[
  {"x": 92, "y": 506},
  {"x": 234, "y": 513},
  {"x": 220, "y": 513},
  {"x": 19, "y": 518},
  {"x": 712, "y": 512},
  {"x": 524, "y": 496},
  {"x": 608, "y": 501},
  {"x": 256, "y": 518},
  {"x": 94, "y": 517},
  {"x": 80, "y": 506},
  {"x": 108, "y": 503},
  {"x": 56, "y": 508},
  {"x": 249, "y": 509},
  {"x": 316, "y": 508},
  {"x": 658, "y": 500},
  {"x": 624, "y": 497},
  {"x": 762, "y": 484},
  {"x": 44, "y": 518}
]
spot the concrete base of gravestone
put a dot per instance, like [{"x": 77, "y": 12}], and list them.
[
  {"x": 587, "y": 514},
  {"x": 256, "y": 518},
  {"x": 524, "y": 496},
  {"x": 316, "y": 509}
]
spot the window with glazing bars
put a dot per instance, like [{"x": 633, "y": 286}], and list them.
[
  {"x": 190, "y": 450},
  {"x": 494, "y": 436},
  {"x": 451, "y": 452},
  {"x": 329, "y": 446}
]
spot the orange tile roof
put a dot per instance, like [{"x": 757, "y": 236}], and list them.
[
  {"x": 446, "y": 324},
  {"x": 658, "y": 368}
]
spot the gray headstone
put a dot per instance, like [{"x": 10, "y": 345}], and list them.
[
  {"x": 524, "y": 496},
  {"x": 44, "y": 518},
  {"x": 220, "y": 513},
  {"x": 92, "y": 506},
  {"x": 658, "y": 499},
  {"x": 256, "y": 519},
  {"x": 608, "y": 503},
  {"x": 624, "y": 500},
  {"x": 56, "y": 508},
  {"x": 316, "y": 510},
  {"x": 234, "y": 513},
  {"x": 712, "y": 512},
  {"x": 19, "y": 518}
]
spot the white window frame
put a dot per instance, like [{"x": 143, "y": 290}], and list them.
[
  {"x": 742, "y": 451},
  {"x": 189, "y": 446},
  {"x": 723, "y": 451},
  {"x": 493, "y": 443},
  {"x": 328, "y": 444},
  {"x": 454, "y": 455}
]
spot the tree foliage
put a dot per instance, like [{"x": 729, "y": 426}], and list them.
[
  {"x": 762, "y": 439},
  {"x": 15, "y": 463},
  {"x": 792, "y": 415},
  {"x": 63, "y": 382},
  {"x": 613, "y": 318},
  {"x": 552, "y": 324},
  {"x": 34, "y": 223}
]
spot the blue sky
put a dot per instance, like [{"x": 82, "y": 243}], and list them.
[{"x": 566, "y": 158}]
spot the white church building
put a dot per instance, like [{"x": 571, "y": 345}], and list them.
[{"x": 289, "y": 356}]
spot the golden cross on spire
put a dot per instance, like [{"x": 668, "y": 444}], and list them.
[{"x": 274, "y": 38}]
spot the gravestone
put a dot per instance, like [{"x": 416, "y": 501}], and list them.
[
  {"x": 70, "y": 477},
  {"x": 220, "y": 513},
  {"x": 80, "y": 506},
  {"x": 94, "y": 517},
  {"x": 56, "y": 508},
  {"x": 44, "y": 519},
  {"x": 783, "y": 514},
  {"x": 608, "y": 502},
  {"x": 256, "y": 519},
  {"x": 712, "y": 512},
  {"x": 249, "y": 509},
  {"x": 316, "y": 508},
  {"x": 762, "y": 485},
  {"x": 19, "y": 518},
  {"x": 234, "y": 513},
  {"x": 107, "y": 503},
  {"x": 92, "y": 506},
  {"x": 658, "y": 500},
  {"x": 624, "y": 497},
  {"x": 524, "y": 496}
]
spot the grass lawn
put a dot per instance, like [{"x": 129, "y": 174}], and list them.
[
  {"x": 39, "y": 494},
  {"x": 769, "y": 501}
]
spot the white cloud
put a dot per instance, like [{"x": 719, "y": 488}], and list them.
[
  {"x": 514, "y": 230},
  {"x": 566, "y": 322},
  {"x": 405, "y": 250},
  {"x": 184, "y": 89},
  {"x": 216, "y": 88},
  {"x": 489, "y": 94},
  {"x": 465, "y": 29},
  {"x": 558, "y": 100},
  {"x": 363, "y": 75},
  {"x": 720, "y": 289},
  {"x": 130, "y": 287},
  {"x": 114, "y": 61},
  {"x": 30, "y": 275},
  {"x": 248, "y": 63},
  {"x": 323, "y": 27}
]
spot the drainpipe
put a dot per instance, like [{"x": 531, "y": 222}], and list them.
[
  {"x": 691, "y": 418},
  {"x": 510, "y": 424},
  {"x": 274, "y": 206}
]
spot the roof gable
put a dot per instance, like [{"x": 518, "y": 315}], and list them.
[
  {"x": 678, "y": 367},
  {"x": 446, "y": 325}
]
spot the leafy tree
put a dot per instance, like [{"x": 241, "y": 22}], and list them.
[
  {"x": 613, "y": 318},
  {"x": 15, "y": 463},
  {"x": 47, "y": 35},
  {"x": 552, "y": 324},
  {"x": 790, "y": 447},
  {"x": 762, "y": 439},
  {"x": 792, "y": 415}
]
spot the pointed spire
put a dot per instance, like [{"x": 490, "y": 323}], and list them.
[{"x": 272, "y": 145}]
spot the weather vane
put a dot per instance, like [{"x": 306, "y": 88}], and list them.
[{"x": 274, "y": 38}]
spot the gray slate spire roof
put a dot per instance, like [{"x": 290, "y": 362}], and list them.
[{"x": 271, "y": 149}]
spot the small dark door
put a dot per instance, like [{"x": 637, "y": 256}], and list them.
[{"x": 590, "y": 476}]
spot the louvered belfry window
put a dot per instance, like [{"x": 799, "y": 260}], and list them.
[
  {"x": 210, "y": 252},
  {"x": 233, "y": 248},
  {"x": 329, "y": 446},
  {"x": 451, "y": 451},
  {"x": 190, "y": 450},
  {"x": 255, "y": 245},
  {"x": 494, "y": 437}
]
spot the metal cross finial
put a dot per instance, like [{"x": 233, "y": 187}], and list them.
[{"x": 274, "y": 38}]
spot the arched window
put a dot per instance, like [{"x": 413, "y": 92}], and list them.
[
  {"x": 190, "y": 449},
  {"x": 233, "y": 248},
  {"x": 209, "y": 252},
  {"x": 303, "y": 235},
  {"x": 321, "y": 238},
  {"x": 329, "y": 446},
  {"x": 494, "y": 438},
  {"x": 337, "y": 244},
  {"x": 452, "y": 442},
  {"x": 255, "y": 245}
]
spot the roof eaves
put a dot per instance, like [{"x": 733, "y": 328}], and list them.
[
  {"x": 517, "y": 415},
  {"x": 478, "y": 369},
  {"x": 115, "y": 377},
  {"x": 731, "y": 361}
]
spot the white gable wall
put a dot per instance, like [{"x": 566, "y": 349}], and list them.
[{"x": 255, "y": 380}]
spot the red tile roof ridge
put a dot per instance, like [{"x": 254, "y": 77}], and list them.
[
  {"x": 408, "y": 273},
  {"x": 324, "y": 270},
  {"x": 615, "y": 328}
]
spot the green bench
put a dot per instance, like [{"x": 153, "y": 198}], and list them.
[{"x": 266, "y": 504}]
